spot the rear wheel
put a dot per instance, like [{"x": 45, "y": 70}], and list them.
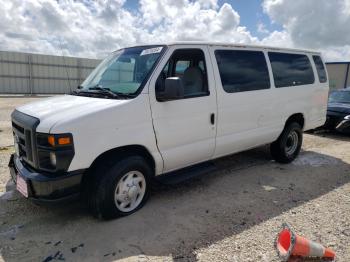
[
  {"x": 287, "y": 147},
  {"x": 121, "y": 188}
]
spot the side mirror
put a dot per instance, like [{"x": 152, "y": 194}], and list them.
[{"x": 173, "y": 89}]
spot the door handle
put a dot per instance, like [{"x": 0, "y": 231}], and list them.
[{"x": 212, "y": 118}]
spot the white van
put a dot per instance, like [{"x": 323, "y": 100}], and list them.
[{"x": 159, "y": 109}]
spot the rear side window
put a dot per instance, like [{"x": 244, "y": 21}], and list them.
[
  {"x": 242, "y": 71},
  {"x": 291, "y": 69},
  {"x": 321, "y": 71}
]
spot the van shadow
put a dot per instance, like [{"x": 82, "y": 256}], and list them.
[
  {"x": 330, "y": 134},
  {"x": 247, "y": 189}
]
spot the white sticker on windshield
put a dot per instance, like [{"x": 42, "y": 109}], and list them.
[{"x": 154, "y": 50}]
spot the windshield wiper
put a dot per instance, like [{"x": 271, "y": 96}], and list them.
[
  {"x": 127, "y": 95},
  {"x": 76, "y": 91},
  {"x": 99, "y": 90},
  {"x": 104, "y": 91}
]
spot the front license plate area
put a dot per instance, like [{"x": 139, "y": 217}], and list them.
[{"x": 22, "y": 186}]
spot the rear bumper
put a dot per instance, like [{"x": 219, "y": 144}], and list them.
[{"x": 44, "y": 187}]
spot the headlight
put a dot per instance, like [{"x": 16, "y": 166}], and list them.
[
  {"x": 347, "y": 117},
  {"x": 55, "y": 151}
]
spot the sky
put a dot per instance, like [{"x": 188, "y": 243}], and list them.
[{"x": 93, "y": 28}]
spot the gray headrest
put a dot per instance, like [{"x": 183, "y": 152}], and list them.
[{"x": 193, "y": 77}]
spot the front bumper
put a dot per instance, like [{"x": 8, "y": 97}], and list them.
[
  {"x": 336, "y": 121},
  {"x": 43, "y": 187},
  {"x": 343, "y": 126}
]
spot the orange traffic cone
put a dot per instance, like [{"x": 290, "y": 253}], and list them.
[{"x": 290, "y": 244}]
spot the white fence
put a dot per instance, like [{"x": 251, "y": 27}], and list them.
[
  {"x": 339, "y": 74},
  {"x": 24, "y": 73}
]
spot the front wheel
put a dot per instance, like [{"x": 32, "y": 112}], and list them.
[
  {"x": 287, "y": 147},
  {"x": 121, "y": 189}
]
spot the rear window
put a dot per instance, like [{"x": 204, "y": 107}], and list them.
[
  {"x": 321, "y": 71},
  {"x": 242, "y": 71},
  {"x": 291, "y": 69}
]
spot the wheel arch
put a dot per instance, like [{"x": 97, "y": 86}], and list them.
[
  {"x": 125, "y": 151},
  {"x": 298, "y": 118},
  {"x": 118, "y": 153}
]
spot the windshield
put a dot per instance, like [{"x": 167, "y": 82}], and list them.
[
  {"x": 339, "y": 97},
  {"x": 124, "y": 71}
]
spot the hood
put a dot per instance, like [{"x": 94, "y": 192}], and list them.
[
  {"x": 339, "y": 107},
  {"x": 67, "y": 107}
]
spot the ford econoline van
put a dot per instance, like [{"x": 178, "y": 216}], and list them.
[{"x": 148, "y": 111}]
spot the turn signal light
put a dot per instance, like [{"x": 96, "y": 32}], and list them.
[
  {"x": 51, "y": 140},
  {"x": 64, "y": 141}
]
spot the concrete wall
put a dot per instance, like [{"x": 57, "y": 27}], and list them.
[
  {"x": 339, "y": 75},
  {"x": 24, "y": 73}
]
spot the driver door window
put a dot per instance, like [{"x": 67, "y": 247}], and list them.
[{"x": 189, "y": 66}]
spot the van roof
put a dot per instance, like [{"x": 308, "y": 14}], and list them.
[{"x": 274, "y": 48}]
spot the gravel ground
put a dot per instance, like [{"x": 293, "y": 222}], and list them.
[{"x": 232, "y": 214}]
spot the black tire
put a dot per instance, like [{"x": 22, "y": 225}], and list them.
[
  {"x": 106, "y": 177},
  {"x": 285, "y": 149}
]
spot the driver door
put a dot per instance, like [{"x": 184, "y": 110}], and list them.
[{"x": 185, "y": 128}]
